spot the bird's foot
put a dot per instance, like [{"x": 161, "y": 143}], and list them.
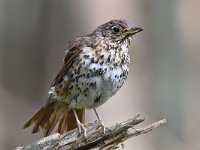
[
  {"x": 82, "y": 129},
  {"x": 102, "y": 126}
]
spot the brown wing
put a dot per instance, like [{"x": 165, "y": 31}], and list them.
[
  {"x": 73, "y": 49},
  {"x": 69, "y": 60}
]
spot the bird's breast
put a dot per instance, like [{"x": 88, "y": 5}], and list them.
[{"x": 96, "y": 79}]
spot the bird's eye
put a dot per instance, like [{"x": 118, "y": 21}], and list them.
[{"x": 115, "y": 29}]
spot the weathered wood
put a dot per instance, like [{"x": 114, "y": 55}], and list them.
[{"x": 95, "y": 140}]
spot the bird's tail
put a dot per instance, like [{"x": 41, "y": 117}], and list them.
[{"x": 51, "y": 115}]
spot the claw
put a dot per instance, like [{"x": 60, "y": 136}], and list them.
[
  {"x": 103, "y": 127},
  {"x": 81, "y": 129},
  {"x": 101, "y": 122}
]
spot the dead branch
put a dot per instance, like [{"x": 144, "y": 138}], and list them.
[{"x": 95, "y": 140}]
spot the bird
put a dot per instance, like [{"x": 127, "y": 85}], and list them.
[{"x": 95, "y": 68}]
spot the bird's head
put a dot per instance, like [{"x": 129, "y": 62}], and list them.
[{"x": 116, "y": 31}]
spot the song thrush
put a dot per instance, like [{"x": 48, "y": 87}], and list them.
[{"x": 95, "y": 67}]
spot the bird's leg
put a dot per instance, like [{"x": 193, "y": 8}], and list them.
[
  {"x": 79, "y": 124},
  {"x": 99, "y": 118}
]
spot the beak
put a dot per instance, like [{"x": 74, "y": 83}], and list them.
[{"x": 133, "y": 31}]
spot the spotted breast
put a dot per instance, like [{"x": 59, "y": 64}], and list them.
[{"x": 97, "y": 75}]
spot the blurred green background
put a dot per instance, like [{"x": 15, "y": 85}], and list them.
[{"x": 164, "y": 79}]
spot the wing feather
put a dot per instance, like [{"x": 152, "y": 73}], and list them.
[{"x": 72, "y": 50}]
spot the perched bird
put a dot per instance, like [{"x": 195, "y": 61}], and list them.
[{"x": 95, "y": 67}]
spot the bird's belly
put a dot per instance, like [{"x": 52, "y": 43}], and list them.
[{"x": 96, "y": 88}]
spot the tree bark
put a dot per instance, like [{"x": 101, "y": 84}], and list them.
[{"x": 95, "y": 139}]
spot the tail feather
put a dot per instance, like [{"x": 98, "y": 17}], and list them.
[
  {"x": 52, "y": 123},
  {"x": 51, "y": 115},
  {"x": 40, "y": 118},
  {"x": 65, "y": 124},
  {"x": 62, "y": 125},
  {"x": 46, "y": 118},
  {"x": 34, "y": 118}
]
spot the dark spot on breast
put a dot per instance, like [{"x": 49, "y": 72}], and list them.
[
  {"x": 97, "y": 99},
  {"x": 72, "y": 75},
  {"x": 109, "y": 58},
  {"x": 93, "y": 84},
  {"x": 86, "y": 56},
  {"x": 102, "y": 56},
  {"x": 88, "y": 75},
  {"x": 79, "y": 89},
  {"x": 76, "y": 79},
  {"x": 101, "y": 63},
  {"x": 98, "y": 72},
  {"x": 75, "y": 70},
  {"x": 71, "y": 87},
  {"x": 96, "y": 61},
  {"x": 92, "y": 60}
]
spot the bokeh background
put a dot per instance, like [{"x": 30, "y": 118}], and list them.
[{"x": 164, "y": 79}]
